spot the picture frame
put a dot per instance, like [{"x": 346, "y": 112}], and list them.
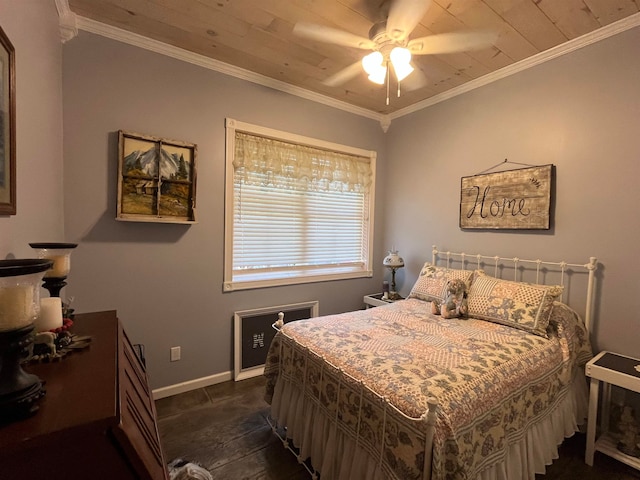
[
  {"x": 253, "y": 333},
  {"x": 517, "y": 199},
  {"x": 7, "y": 126},
  {"x": 156, "y": 179}
]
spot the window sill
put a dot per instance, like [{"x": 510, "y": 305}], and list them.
[{"x": 293, "y": 278}]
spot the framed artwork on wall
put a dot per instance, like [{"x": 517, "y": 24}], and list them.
[
  {"x": 519, "y": 199},
  {"x": 156, "y": 179},
  {"x": 7, "y": 127}
]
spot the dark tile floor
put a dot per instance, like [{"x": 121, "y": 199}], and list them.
[{"x": 224, "y": 429}]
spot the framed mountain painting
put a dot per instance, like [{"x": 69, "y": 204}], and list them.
[{"x": 156, "y": 179}]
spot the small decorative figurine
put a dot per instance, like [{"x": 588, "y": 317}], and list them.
[
  {"x": 280, "y": 322},
  {"x": 455, "y": 303},
  {"x": 48, "y": 340}
]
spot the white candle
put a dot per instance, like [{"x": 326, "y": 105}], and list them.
[
  {"x": 50, "y": 314},
  {"x": 61, "y": 266},
  {"x": 17, "y": 307}
]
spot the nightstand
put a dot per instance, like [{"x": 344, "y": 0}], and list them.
[
  {"x": 610, "y": 369},
  {"x": 375, "y": 300}
]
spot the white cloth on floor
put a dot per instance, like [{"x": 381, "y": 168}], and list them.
[{"x": 181, "y": 470}]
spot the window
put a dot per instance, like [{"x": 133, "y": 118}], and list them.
[{"x": 297, "y": 209}]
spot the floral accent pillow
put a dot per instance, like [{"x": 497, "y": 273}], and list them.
[
  {"x": 526, "y": 306},
  {"x": 431, "y": 284}
]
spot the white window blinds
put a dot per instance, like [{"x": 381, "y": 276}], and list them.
[{"x": 298, "y": 212}]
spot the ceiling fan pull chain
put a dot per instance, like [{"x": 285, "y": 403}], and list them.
[
  {"x": 388, "y": 83},
  {"x": 398, "y": 88}
]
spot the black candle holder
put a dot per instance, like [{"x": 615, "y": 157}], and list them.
[
  {"x": 19, "y": 307},
  {"x": 19, "y": 390},
  {"x": 54, "y": 285},
  {"x": 59, "y": 254}
]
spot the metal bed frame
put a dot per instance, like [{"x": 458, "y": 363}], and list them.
[
  {"x": 481, "y": 262},
  {"x": 465, "y": 260}
]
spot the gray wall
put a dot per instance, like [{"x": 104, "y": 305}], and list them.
[
  {"x": 579, "y": 112},
  {"x": 166, "y": 280},
  {"x": 32, "y": 28}
]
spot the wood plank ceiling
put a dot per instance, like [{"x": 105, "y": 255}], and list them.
[{"x": 256, "y": 35}]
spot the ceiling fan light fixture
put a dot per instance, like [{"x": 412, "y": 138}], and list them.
[
  {"x": 402, "y": 71},
  {"x": 391, "y": 45},
  {"x": 378, "y": 75},
  {"x": 401, "y": 61},
  {"x": 372, "y": 62}
]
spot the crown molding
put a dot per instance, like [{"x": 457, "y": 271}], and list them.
[
  {"x": 542, "y": 57},
  {"x": 67, "y": 21},
  {"x": 70, "y": 23}
]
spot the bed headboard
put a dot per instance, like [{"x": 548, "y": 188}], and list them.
[{"x": 533, "y": 271}]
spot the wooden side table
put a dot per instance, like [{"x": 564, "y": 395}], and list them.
[
  {"x": 375, "y": 300},
  {"x": 610, "y": 369}
]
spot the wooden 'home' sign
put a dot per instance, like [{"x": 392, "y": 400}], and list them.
[{"x": 512, "y": 199}]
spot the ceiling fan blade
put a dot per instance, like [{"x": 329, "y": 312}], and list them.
[
  {"x": 452, "y": 42},
  {"x": 331, "y": 35},
  {"x": 404, "y": 15},
  {"x": 344, "y": 75}
]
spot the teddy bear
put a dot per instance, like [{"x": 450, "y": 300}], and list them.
[{"x": 455, "y": 303}]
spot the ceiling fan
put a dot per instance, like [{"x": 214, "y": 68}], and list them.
[{"x": 391, "y": 46}]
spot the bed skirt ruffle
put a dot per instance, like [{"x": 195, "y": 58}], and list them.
[{"x": 338, "y": 456}]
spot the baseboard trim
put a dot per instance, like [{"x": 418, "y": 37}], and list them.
[{"x": 183, "y": 387}]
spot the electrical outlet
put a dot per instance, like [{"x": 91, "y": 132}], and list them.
[{"x": 175, "y": 354}]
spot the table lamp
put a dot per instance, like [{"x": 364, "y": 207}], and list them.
[{"x": 393, "y": 261}]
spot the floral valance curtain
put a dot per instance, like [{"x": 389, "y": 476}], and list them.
[{"x": 265, "y": 161}]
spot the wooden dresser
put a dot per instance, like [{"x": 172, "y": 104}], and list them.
[{"x": 97, "y": 419}]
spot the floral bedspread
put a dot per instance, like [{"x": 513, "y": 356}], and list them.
[{"x": 491, "y": 381}]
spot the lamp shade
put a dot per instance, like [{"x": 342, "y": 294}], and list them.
[
  {"x": 401, "y": 61},
  {"x": 372, "y": 62},
  {"x": 378, "y": 75},
  {"x": 393, "y": 260}
]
